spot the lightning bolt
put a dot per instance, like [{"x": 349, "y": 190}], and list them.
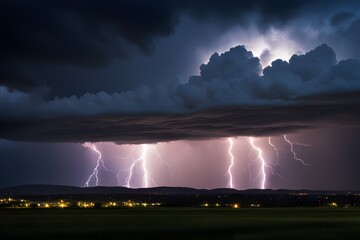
[
  {"x": 131, "y": 172},
  {"x": 141, "y": 160},
  {"x": 231, "y": 156},
  {"x": 262, "y": 160},
  {"x": 293, "y": 151},
  {"x": 98, "y": 163},
  {"x": 277, "y": 164},
  {"x": 275, "y": 149},
  {"x": 143, "y": 157}
]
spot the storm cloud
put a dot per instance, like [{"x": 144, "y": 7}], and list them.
[
  {"x": 232, "y": 96},
  {"x": 92, "y": 34}
]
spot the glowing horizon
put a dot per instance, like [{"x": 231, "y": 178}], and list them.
[{"x": 148, "y": 160}]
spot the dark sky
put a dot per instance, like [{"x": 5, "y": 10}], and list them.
[{"x": 181, "y": 77}]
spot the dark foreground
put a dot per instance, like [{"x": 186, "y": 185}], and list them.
[{"x": 181, "y": 223}]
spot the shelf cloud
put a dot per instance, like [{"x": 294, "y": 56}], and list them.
[{"x": 232, "y": 96}]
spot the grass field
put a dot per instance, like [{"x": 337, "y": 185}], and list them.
[{"x": 181, "y": 223}]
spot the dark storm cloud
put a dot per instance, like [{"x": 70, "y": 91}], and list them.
[
  {"x": 228, "y": 98},
  {"x": 224, "y": 122},
  {"x": 348, "y": 39},
  {"x": 230, "y": 11},
  {"x": 92, "y": 33},
  {"x": 85, "y": 33},
  {"x": 265, "y": 13},
  {"x": 11, "y": 78},
  {"x": 81, "y": 32},
  {"x": 341, "y": 18}
]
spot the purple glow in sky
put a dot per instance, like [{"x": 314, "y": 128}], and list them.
[
  {"x": 204, "y": 94},
  {"x": 149, "y": 165}
]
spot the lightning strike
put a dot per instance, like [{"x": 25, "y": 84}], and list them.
[
  {"x": 146, "y": 175},
  {"x": 293, "y": 151},
  {"x": 142, "y": 159},
  {"x": 262, "y": 160},
  {"x": 131, "y": 172},
  {"x": 98, "y": 163},
  {"x": 231, "y": 156},
  {"x": 145, "y": 153},
  {"x": 275, "y": 149}
]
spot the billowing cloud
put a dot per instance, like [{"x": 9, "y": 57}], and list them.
[
  {"x": 90, "y": 34},
  {"x": 232, "y": 96}
]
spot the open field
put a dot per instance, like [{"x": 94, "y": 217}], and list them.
[{"x": 181, "y": 223}]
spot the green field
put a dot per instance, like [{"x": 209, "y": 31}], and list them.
[{"x": 181, "y": 223}]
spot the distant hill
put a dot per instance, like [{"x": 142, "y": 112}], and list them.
[
  {"x": 34, "y": 190},
  {"x": 69, "y": 190}
]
